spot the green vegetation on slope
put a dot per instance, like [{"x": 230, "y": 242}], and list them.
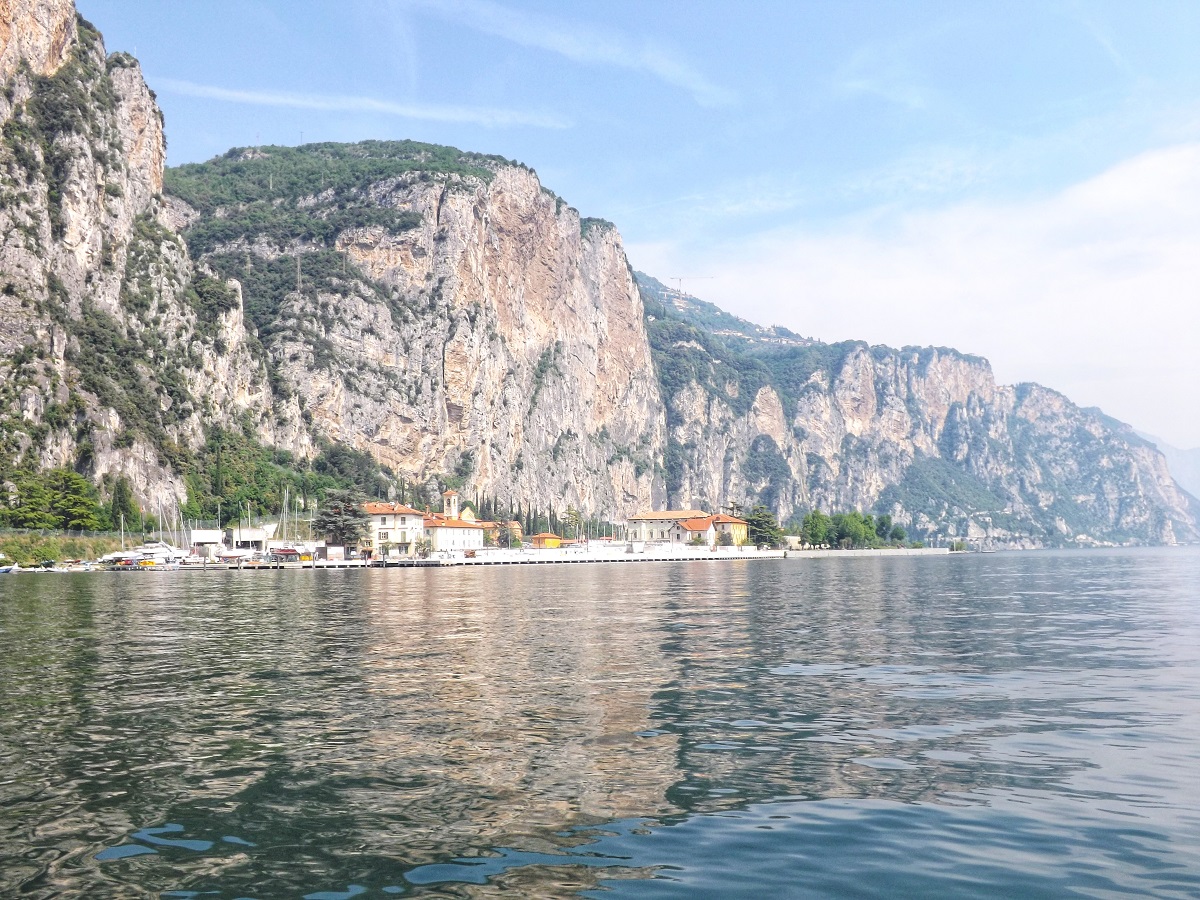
[
  {"x": 249, "y": 175},
  {"x": 234, "y": 471},
  {"x": 701, "y": 313}
]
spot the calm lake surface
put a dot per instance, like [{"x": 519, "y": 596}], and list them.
[{"x": 1007, "y": 725}]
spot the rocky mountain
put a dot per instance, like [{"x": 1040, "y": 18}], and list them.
[
  {"x": 406, "y": 317},
  {"x": 923, "y": 434},
  {"x": 109, "y": 358},
  {"x": 442, "y": 311},
  {"x": 1184, "y": 465}
]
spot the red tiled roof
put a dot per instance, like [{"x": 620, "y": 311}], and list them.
[
  {"x": 697, "y": 524},
  {"x": 546, "y": 534},
  {"x": 722, "y": 519},
  {"x": 669, "y": 514},
  {"x": 442, "y": 522},
  {"x": 384, "y": 509}
]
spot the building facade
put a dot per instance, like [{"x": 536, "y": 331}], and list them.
[
  {"x": 394, "y": 530},
  {"x": 657, "y": 526},
  {"x": 683, "y": 526},
  {"x": 449, "y": 530}
]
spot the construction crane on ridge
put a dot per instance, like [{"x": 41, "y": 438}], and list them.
[{"x": 680, "y": 279}]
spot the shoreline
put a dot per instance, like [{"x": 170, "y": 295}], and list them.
[{"x": 521, "y": 557}]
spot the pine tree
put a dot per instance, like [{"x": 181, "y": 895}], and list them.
[{"x": 341, "y": 517}]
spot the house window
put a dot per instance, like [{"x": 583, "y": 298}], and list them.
[{"x": 383, "y": 535}]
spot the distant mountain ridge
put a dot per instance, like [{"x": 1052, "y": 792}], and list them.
[
  {"x": 411, "y": 317},
  {"x": 712, "y": 318},
  {"x": 922, "y": 434}
]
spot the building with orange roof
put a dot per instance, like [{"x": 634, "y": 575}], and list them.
[
  {"x": 393, "y": 531},
  {"x": 689, "y": 531},
  {"x": 448, "y": 530},
  {"x": 737, "y": 529},
  {"x": 656, "y": 526},
  {"x": 684, "y": 526},
  {"x": 547, "y": 540}
]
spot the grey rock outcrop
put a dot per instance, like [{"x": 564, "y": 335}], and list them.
[
  {"x": 924, "y": 435},
  {"x": 100, "y": 329}
]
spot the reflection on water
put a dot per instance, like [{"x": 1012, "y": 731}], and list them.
[{"x": 998, "y": 725}]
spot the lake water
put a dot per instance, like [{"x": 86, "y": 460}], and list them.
[{"x": 1000, "y": 725}]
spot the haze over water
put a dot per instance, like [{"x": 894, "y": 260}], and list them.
[{"x": 975, "y": 725}]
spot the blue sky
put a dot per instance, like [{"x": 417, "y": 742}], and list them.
[{"x": 1019, "y": 180}]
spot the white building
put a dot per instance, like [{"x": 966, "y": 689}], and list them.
[
  {"x": 206, "y": 542},
  {"x": 394, "y": 530},
  {"x": 660, "y": 526},
  {"x": 449, "y": 531},
  {"x": 240, "y": 538},
  {"x": 685, "y": 531}
]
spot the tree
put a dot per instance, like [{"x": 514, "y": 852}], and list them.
[
  {"x": 883, "y": 527},
  {"x": 341, "y": 517},
  {"x": 898, "y": 534},
  {"x": 724, "y": 538},
  {"x": 33, "y": 507},
  {"x": 762, "y": 528},
  {"x": 507, "y": 536},
  {"x": 73, "y": 500},
  {"x": 852, "y": 529},
  {"x": 122, "y": 504},
  {"x": 815, "y": 528},
  {"x": 574, "y": 519}
]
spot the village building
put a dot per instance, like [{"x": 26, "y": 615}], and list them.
[
  {"x": 206, "y": 542},
  {"x": 546, "y": 541},
  {"x": 491, "y": 530},
  {"x": 737, "y": 529},
  {"x": 684, "y": 526},
  {"x": 691, "y": 531},
  {"x": 394, "y": 530},
  {"x": 657, "y": 526},
  {"x": 450, "y": 530},
  {"x": 250, "y": 538}
]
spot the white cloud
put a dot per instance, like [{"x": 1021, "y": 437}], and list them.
[
  {"x": 1094, "y": 291},
  {"x": 474, "y": 115},
  {"x": 581, "y": 43}
]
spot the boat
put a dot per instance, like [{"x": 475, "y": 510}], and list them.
[{"x": 153, "y": 555}]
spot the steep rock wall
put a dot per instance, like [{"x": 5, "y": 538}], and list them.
[
  {"x": 105, "y": 362},
  {"x": 493, "y": 338},
  {"x": 928, "y": 437}
]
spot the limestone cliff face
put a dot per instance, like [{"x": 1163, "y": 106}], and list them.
[
  {"x": 928, "y": 437},
  {"x": 498, "y": 339},
  {"x": 100, "y": 330},
  {"x": 36, "y": 33}
]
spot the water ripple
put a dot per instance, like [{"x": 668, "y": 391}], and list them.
[{"x": 1007, "y": 725}]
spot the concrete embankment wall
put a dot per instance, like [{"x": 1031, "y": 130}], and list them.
[{"x": 888, "y": 551}]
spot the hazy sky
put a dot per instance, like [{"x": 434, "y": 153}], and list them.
[{"x": 1018, "y": 180}]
